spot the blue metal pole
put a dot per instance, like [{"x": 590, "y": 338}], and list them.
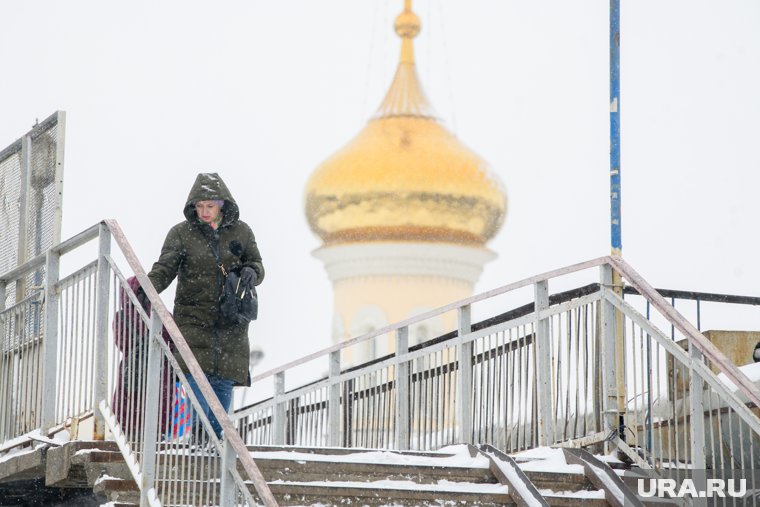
[
  {"x": 615, "y": 219},
  {"x": 615, "y": 222}
]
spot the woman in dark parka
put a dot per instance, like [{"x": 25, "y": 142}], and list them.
[{"x": 199, "y": 251}]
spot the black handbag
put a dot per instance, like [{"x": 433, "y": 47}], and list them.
[{"x": 238, "y": 304}]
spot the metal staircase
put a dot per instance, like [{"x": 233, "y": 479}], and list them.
[{"x": 592, "y": 367}]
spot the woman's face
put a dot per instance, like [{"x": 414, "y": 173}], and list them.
[{"x": 208, "y": 211}]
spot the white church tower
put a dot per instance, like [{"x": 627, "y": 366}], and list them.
[{"x": 404, "y": 211}]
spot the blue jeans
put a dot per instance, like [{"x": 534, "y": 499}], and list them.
[{"x": 223, "y": 389}]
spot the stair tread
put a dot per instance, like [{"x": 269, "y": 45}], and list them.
[
  {"x": 441, "y": 486},
  {"x": 378, "y": 458},
  {"x": 337, "y": 451},
  {"x": 391, "y": 485}
]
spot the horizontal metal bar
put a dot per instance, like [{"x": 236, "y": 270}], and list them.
[
  {"x": 32, "y": 298},
  {"x": 38, "y": 261},
  {"x": 700, "y": 296},
  {"x": 393, "y": 359},
  {"x": 253, "y": 472},
  {"x": 445, "y": 341},
  {"x": 684, "y": 326},
  {"x": 36, "y": 131},
  {"x": 682, "y": 356},
  {"x": 434, "y": 313},
  {"x": 554, "y": 299},
  {"x": 79, "y": 272},
  {"x": 574, "y": 443}
]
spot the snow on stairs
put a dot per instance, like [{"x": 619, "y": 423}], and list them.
[{"x": 457, "y": 475}]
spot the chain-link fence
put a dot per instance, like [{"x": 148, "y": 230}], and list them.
[{"x": 31, "y": 181}]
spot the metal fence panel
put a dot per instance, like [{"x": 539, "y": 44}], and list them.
[{"x": 31, "y": 180}]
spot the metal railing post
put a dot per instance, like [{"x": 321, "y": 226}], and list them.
[
  {"x": 227, "y": 487},
  {"x": 333, "y": 402},
  {"x": 402, "y": 390},
  {"x": 608, "y": 329},
  {"x": 543, "y": 366},
  {"x": 464, "y": 384},
  {"x": 50, "y": 340},
  {"x": 697, "y": 411},
  {"x": 23, "y": 206},
  {"x": 152, "y": 409},
  {"x": 101, "y": 331},
  {"x": 278, "y": 410}
]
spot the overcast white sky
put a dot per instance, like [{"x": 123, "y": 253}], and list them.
[{"x": 262, "y": 92}]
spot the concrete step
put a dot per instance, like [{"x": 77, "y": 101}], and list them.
[
  {"x": 559, "y": 481},
  {"x": 369, "y": 466},
  {"x": 388, "y": 493},
  {"x": 330, "y": 476},
  {"x": 67, "y": 466},
  {"x": 117, "y": 490},
  {"x": 350, "y": 476}
]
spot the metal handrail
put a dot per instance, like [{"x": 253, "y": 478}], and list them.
[
  {"x": 433, "y": 313},
  {"x": 115, "y": 231},
  {"x": 396, "y": 372},
  {"x": 62, "y": 248},
  {"x": 195, "y": 370},
  {"x": 707, "y": 348},
  {"x": 539, "y": 313},
  {"x": 625, "y": 269},
  {"x": 707, "y": 297}
]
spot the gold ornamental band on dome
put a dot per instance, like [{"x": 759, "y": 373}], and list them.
[
  {"x": 405, "y": 177},
  {"x": 402, "y": 234},
  {"x": 415, "y": 216}
]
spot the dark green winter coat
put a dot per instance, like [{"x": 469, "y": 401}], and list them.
[{"x": 220, "y": 347}]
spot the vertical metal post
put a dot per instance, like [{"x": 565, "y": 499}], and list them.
[
  {"x": 402, "y": 389},
  {"x": 615, "y": 207},
  {"x": 697, "y": 425},
  {"x": 152, "y": 409},
  {"x": 616, "y": 232},
  {"x": 544, "y": 366},
  {"x": 464, "y": 384},
  {"x": 608, "y": 346},
  {"x": 50, "y": 340},
  {"x": 227, "y": 487},
  {"x": 278, "y": 410},
  {"x": 60, "y": 143},
  {"x": 100, "y": 386},
  {"x": 697, "y": 409},
  {"x": 333, "y": 402},
  {"x": 23, "y": 216}
]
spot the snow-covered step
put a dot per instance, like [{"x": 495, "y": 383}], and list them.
[
  {"x": 389, "y": 493},
  {"x": 295, "y": 465},
  {"x": 456, "y": 475}
]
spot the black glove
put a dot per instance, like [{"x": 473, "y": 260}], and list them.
[
  {"x": 248, "y": 277},
  {"x": 142, "y": 298}
]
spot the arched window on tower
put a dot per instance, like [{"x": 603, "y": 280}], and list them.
[
  {"x": 424, "y": 330},
  {"x": 367, "y": 319}
]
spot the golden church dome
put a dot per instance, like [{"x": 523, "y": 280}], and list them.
[{"x": 404, "y": 176}]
